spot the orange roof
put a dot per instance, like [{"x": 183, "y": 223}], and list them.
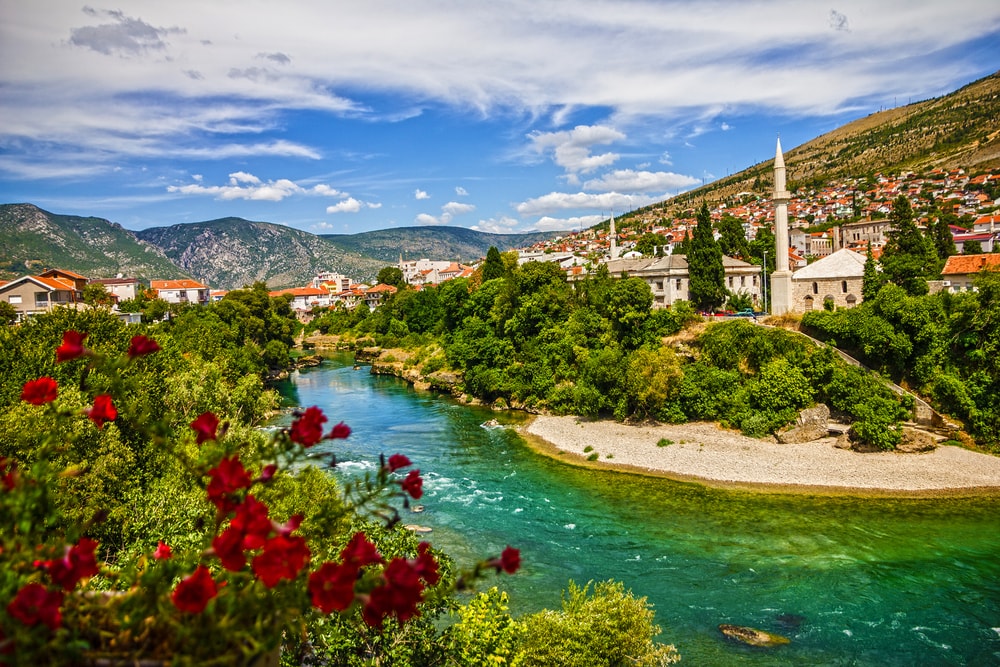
[
  {"x": 64, "y": 272},
  {"x": 964, "y": 264},
  {"x": 382, "y": 288},
  {"x": 176, "y": 284},
  {"x": 300, "y": 291},
  {"x": 55, "y": 283}
]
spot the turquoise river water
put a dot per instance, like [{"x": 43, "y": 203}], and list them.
[{"x": 851, "y": 581}]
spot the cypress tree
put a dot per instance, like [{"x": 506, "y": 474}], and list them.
[
  {"x": 493, "y": 266},
  {"x": 872, "y": 280},
  {"x": 909, "y": 258},
  {"x": 706, "y": 275}
]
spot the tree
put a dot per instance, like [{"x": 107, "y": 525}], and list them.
[
  {"x": 944, "y": 242},
  {"x": 972, "y": 247},
  {"x": 493, "y": 267},
  {"x": 733, "y": 239},
  {"x": 650, "y": 244},
  {"x": 909, "y": 258},
  {"x": 96, "y": 294},
  {"x": 8, "y": 313},
  {"x": 391, "y": 275},
  {"x": 872, "y": 280},
  {"x": 706, "y": 275}
]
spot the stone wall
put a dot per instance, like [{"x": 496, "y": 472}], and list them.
[{"x": 819, "y": 290}]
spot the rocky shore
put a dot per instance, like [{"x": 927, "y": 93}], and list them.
[{"x": 708, "y": 454}]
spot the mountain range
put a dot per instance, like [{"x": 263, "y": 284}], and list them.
[{"x": 961, "y": 129}]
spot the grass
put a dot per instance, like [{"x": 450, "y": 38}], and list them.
[
  {"x": 664, "y": 442},
  {"x": 588, "y": 448},
  {"x": 593, "y": 457}
]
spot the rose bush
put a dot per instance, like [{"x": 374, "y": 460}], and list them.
[{"x": 242, "y": 584}]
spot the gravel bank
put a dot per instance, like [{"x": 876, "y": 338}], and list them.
[{"x": 706, "y": 453}]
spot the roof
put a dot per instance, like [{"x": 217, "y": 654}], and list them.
[
  {"x": 964, "y": 264},
  {"x": 114, "y": 281},
  {"x": 69, "y": 274},
  {"x": 300, "y": 291},
  {"x": 842, "y": 264},
  {"x": 52, "y": 284},
  {"x": 176, "y": 284}
]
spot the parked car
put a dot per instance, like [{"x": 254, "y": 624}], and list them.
[{"x": 746, "y": 312}]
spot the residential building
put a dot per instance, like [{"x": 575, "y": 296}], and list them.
[
  {"x": 31, "y": 295},
  {"x": 123, "y": 289},
  {"x": 959, "y": 270},
  {"x": 836, "y": 278},
  {"x": 668, "y": 278},
  {"x": 306, "y": 298},
  {"x": 180, "y": 291},
  {"x": 332, "y": 282}
]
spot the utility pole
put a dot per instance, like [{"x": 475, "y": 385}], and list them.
[{"x": 765, "y": 281}]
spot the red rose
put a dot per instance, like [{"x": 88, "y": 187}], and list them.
[
  {"x": 77, "y": 564},
  {"x": 228, "y": 546},
  {"x": 35, "y": 604},
  {"x": 163, "y": 551},
  {"x": 227, "y": 477},
  {"x": 397, "y": 461},
  {"x": 331, "y": 587},
  {"x": 103, "y": 410},
  {"x": 72, "y": 346},
  {"x": 340, "y": 431},
  {"x": 359, "y": 552},
  {"x": 413, "y": 484},
  {"x": 282, "y": 558},
  {"x": 205, "y": 426},
  {"x": 307, "y": 430},
  {"x": 194, "y": 591},
  {"x": 510, "y": 560},
  {"x": 41, "y": 391},
  {"x": 141, "y": 346}
]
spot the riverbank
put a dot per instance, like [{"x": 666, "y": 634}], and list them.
[{"x": 707, "y": 454}]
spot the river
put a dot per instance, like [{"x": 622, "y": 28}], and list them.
[{"x": 851, "y": 581}]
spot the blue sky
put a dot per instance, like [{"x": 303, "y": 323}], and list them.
[{"x": 502, "y": 116}]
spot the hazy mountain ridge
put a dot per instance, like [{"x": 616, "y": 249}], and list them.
[
  {"x": 32, "y": 240},
  {"x": 434, "y": 242}
]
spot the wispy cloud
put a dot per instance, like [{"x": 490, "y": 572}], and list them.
[
  {"x": 247, "y": 186},
  {"x": 420, "y": 194},
  {"x": 564, "y": 201},
  {"x": 627, "y": 180},
  {"x": 448, "y": 213}
]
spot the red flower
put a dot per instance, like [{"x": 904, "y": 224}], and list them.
[
  {"x": 397, "y": 461},
  {"x": 289, "y": 526},
  {"x": 252, "y": 522},
  {"x": 307, "y": 430},
  {"x": 194, "y": 591},
  {"x": 425, "y": 564},
  {"x": 8, "y": 473},
  {"x": 331, "y": 587},
  {"x": 141, "y": 346},
  {"x": 103, "y": 410},
  {"x": 227, "y": 477},
  {"x": 413, "y": 484},
  {"x": 77, "y": 564},
  {"x": 282, "y": 558},
  {"x": 163, "y": 551},
  {"x": 72, "y": 346},
  {"x": 35, "y": 604},
  {"x": 399, "y": 594},
  {"x": 340, "y": 431},
  {"x": 205, "y": 426},
  {"x": 510, "y": 560},
  {"x": 228, "y": 546},
  {"x": 359, "y": 552},
  {"x": 267, "y": 474},
  {"x": 41, "y": 391}
]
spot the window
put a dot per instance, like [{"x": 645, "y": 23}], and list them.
[
  {"x": 678, "y": 285},
  {"x": 730, "y": 281},
  {"x": 14, "y": 298},
  {"x": 41, "y": 299},
  {"x": 815, "y": 288},
  {"x": 843, "y": 286},
  {"x": 659, "y": 285},
  {"x": 743, "y": 281}
]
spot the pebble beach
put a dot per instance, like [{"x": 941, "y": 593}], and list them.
[{"x": 705, "y": 453}]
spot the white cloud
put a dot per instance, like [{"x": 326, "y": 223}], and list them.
[
  {"x": 563, "y": 201},
  {"x": 547, "y": 223},
  {"x": 247, "y": 186},
  {"x": 460, "y": 191},
  {"x": 426, "y": 219},
  {"x": 349, "y": 205},
  {"x": 456, "y": 208},
  {"x": 420, "y": 194},
  {"x": 626, "y": 180},
  {"x": 322, "y": 226},
  {"x": 448, "y": 212},
  {"x": 501, "y": 225},
  {"x": 725, "y": 127},
  {"x": 571, "y": 149}
]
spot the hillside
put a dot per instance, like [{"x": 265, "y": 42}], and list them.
[
  {"x": 232, "y": 252},
  {"x": 434, "y": 242},
  {"x": 958, "y": 130},
  {"x": 33, "y": 240}
]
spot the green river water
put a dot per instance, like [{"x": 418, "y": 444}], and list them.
[{"x": 851, "y": 581}]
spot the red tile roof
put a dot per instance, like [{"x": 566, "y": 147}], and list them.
[
  {"x": 176, "y": 284},
  {"x": 964, "y": 264}
]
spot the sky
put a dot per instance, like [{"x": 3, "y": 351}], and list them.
[{"x": 501, "y": 116}]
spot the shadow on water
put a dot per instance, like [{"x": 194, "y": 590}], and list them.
[{"x": 851, "y": 581}]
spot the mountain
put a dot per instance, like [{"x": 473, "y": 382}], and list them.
[
  {"x": 33, "y": 240},
  {"x": 433, "y": 242},
  {"x": 958, "y": 130},
  {"x": 232, "y": 252}
]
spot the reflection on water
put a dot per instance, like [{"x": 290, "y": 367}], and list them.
[{"x": 873, "y": 581}]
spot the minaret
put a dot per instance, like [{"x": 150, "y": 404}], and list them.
[
  {"x": 781, "y": 279},
  {"x": 614, "y": 238}
]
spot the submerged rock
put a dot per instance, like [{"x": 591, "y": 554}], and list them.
[
  {"x": 752, "y": 636},
  {"x": 790, "y": 621}
]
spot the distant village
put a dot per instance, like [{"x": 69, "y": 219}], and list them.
[{"x": 827, "y": 265}]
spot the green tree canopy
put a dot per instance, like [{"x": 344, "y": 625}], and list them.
[
  {"x": 733, "y": 239},
  {"x": 909, "y": 258},
  {"x": 493, "y": 267},
  {"x": 707, "y": 277},
  {"x": 390, "y": 275},
  {"x": 650, "y": 244}
]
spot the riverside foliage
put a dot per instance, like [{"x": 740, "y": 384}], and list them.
[
  {"x": 145, "y": 518},
  {"x": 594, "y": 347}
]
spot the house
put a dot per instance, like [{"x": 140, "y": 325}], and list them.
[
  {"x": 332, "y": 282},
  {"x": 987, "y": 240},
  {"x": 305, "y": 298},
  {"x": 123, "y": 289},
  {"x": 667, "y": 277},
  {"x": 836, "y": 278},
  {"x": 180, "y": 291},
  {"x": 959, "y": 271},
  {"x": 374, "y": 296},
  {"x": 30, "y": 295},
  {"x": 78, "y": 281}
]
